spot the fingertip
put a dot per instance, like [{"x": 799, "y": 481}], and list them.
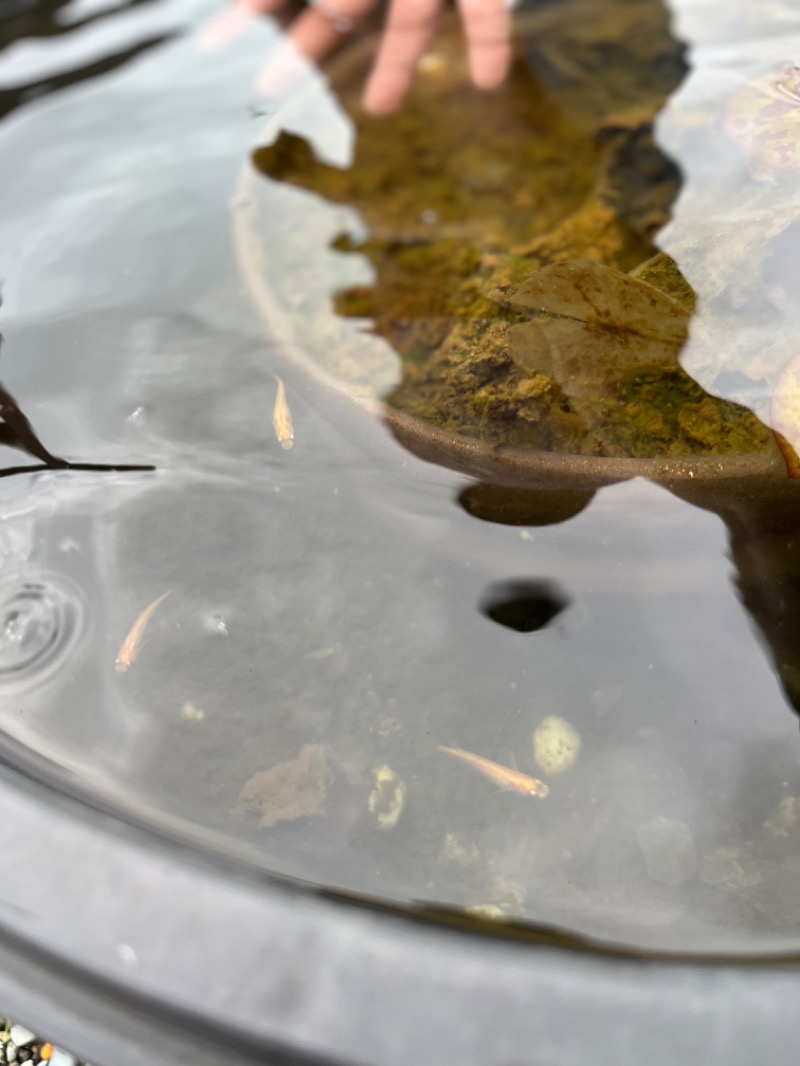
[
  {"x": 224, "y": 28},
  {"x": 489, "y": 68},
  {"x": 259, "y": 7},
  {"x": 385, "y": 93}
]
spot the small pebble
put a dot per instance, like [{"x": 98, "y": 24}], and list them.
[
  {"x": 62, "y": 1058},
  {"x": 21, "y": 1036}
]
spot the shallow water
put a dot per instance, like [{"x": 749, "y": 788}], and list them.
[{"x": 339, "y": 594}]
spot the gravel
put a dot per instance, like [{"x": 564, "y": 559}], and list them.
[{"x": 18, "y": 1045}]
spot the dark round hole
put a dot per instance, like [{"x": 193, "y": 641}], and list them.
[{"x": 525, "y": 606}]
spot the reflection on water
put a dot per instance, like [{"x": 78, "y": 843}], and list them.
[
  {"x": 51, "y": 18},
  {"x": 342, "y": 611}
]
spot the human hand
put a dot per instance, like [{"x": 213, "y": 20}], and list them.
[{"x": 410, "y": 26}]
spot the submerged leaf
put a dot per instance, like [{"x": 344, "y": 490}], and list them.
[
  {"x": 296, "y": 788},
  {"x": 593, "y": 324}
]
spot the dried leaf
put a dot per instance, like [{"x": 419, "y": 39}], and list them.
[{"x": 293, "y": 789}]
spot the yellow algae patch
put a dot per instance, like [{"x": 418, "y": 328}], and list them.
[
  {"x": 388, "y": 797},
  {"x": 555, "y": 745}
]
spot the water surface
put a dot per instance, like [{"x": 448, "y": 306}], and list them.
[{"x": 341, "y": 609}]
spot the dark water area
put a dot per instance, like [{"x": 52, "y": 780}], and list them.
[{"x": 341, "y": 609}]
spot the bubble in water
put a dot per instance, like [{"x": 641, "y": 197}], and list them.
[{"x": 39, "y": 624}]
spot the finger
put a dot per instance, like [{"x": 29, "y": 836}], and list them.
[
  {"x": 410, "y": 27},
  {"x": 312, "y": 37},
  {"x": 487, "y": 24},
  {"x": 261, "y": 7},
  {"x": 224, "y": 27}
]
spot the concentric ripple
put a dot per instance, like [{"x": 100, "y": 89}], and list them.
[{"x": 40, "y": 622}]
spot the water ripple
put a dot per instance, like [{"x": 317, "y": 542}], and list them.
[{"x": 40, "y": 621}]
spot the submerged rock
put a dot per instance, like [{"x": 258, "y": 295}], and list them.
[{"x": 668, "y": 849}]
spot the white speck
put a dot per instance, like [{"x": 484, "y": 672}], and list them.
[
  {"x": 525, "y": 534},
  {"x": 126, "y": 954},
  {"x": 136, "y": 414},
  {"x": 68, "y": 545},
  {"x": 429, "y": 217},
  {"x": 215, "y": 623}
]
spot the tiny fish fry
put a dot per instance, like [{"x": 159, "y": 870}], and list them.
[
  {"x": 282, "y": 417},
  {"x": 130, "y": 646},
  {"x": 501, "y": 775}
]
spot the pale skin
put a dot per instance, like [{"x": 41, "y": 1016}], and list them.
[{"x": 410, "y": 27}]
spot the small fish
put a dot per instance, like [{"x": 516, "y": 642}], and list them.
[
  {"x": 501, "y": 775},
  {"x": 282, "y": 417},
  {"x": 130, "y": 646}
]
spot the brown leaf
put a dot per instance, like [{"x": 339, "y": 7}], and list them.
[
  {"x": 293, "y": 789},
  {"x": 592, "y": 324}
]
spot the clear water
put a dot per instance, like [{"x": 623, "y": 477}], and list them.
[{"x": 339, "y": 594}]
